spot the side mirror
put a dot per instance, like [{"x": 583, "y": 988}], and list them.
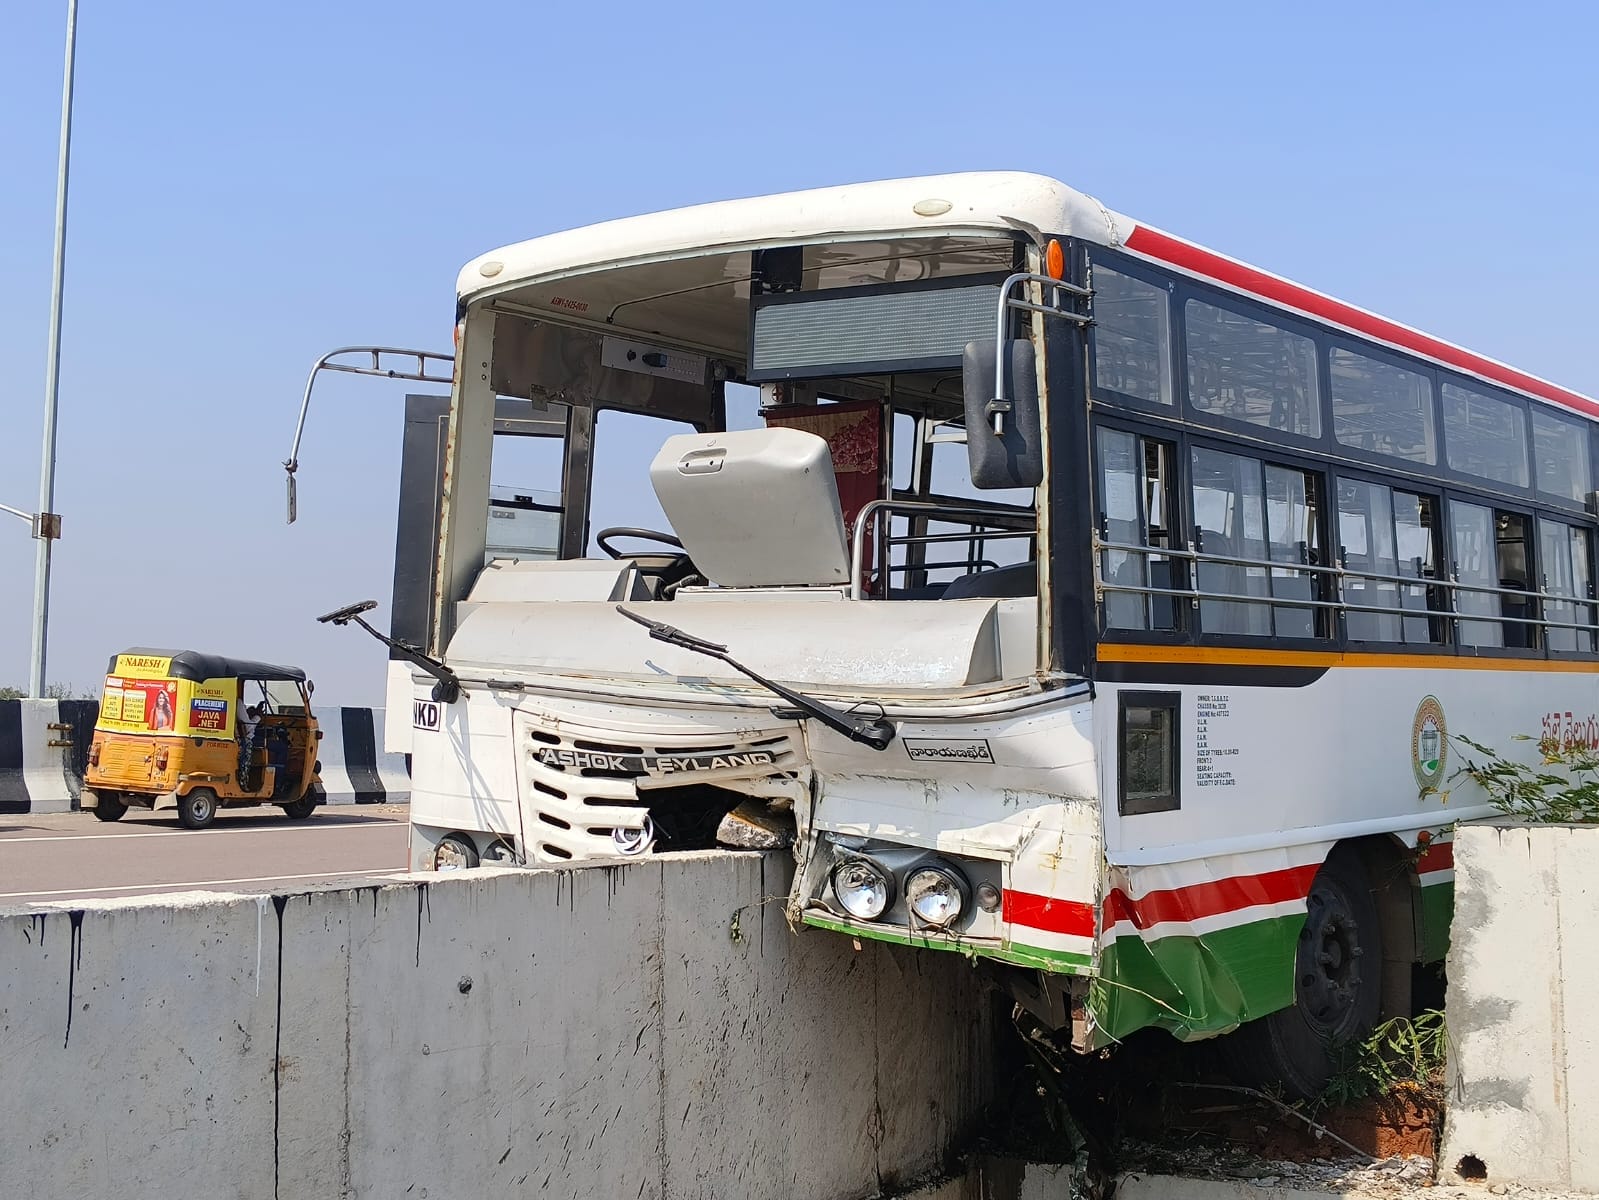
[{"x": 1013, "y": 457}]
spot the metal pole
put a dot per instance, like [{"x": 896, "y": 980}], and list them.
[{"x": 47, "y": 528}]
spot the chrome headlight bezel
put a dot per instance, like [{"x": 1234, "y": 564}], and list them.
[
  {"x": 631, "y": 842},
  {"x": 879, "y": 874},
  {"x": 953, "y": 886}
]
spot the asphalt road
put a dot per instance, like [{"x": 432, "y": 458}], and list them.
[{"x": 71, "y": 856}]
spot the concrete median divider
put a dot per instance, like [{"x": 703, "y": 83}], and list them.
[
  {"x": 1523, "y": 1042},
  {"x": 355, "y": 768},
  {"x": 35, "y": 763},
  {"x": 652, "y": 1029}
]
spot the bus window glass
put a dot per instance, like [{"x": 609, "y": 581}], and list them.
[
  {"x": 1244, "y": 369},
  {"x": 1484, "y": 435},
  {"x": 1119, "y": 486},
  {"x": 1567, "y": 571},
  {"x": 1476, "y": 566},
  {"x": 1384, "y": 532},
  {"x": 1291, "y": 538},
  {"x": 1229, "y": 510},
  {"x": 1560, "y": 450},
  {"x": 1416, "y": 543},
  {"x": 1132, "y": 337},
  {"x": 1366, "y": 532},
  {"x": 903, "y": 449},
  {"x": 1382, "y": 409},
  {"x": 525, "y": 507}
]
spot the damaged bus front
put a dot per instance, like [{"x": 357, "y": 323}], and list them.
[{"x": 844, "y": 625}]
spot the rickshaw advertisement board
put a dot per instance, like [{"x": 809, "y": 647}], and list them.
[{"x": 140, "y": 698}]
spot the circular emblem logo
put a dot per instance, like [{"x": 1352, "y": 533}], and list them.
[{"x": 1429, "y": 746}]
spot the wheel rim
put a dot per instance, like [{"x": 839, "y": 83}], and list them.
[
  {"x": 1330, "y": 956},
  {"x": 200, "y": 806}
]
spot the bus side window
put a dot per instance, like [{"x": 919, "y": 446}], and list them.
[
  {"x": 1136, "y": 488},
  {"x": 1476, "y": 556},
  {"x": 1147, "y": 776},
  {"x": 1564, "y": 552},
  {"x": 1384, "y": 533}
]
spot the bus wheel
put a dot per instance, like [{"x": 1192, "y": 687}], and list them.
[
  {"x": 109, "y": 807},
  {"x": 1337, "y": 986},
  {"x": 198, "y": 809}
]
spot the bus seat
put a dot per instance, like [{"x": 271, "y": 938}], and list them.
[{"x": 1002, "y": 583}]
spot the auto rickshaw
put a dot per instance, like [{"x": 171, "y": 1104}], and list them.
[{"x": 174, "y": 732}]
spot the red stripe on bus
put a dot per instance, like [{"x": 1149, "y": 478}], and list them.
[
  {"x": 1193, "y": 258},
  {"x": 1210, "y": 899},
  {"x": 1440, "y": 856},
  {"x": 1070, "y": 917}
]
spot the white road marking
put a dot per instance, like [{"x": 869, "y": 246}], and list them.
[
  {"x": 201, "y": 883},
  {"x": 196, "y": 833}
]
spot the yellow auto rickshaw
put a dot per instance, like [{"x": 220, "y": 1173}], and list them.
[{"x": 191, "y": 731}]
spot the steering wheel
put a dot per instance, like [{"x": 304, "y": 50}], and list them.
[
  {"x": 602, "y": 539},
  {"x": 670, "y": 569}
]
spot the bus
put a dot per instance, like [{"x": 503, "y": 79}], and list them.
[{"x": 1098, "y": 606}]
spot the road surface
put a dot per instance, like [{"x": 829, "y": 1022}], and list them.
[{"x": 70, "y": 856}]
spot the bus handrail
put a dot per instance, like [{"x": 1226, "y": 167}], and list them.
[
  {"x": 999, "y": 406},
  {"x": 956, "y": 513},
  {"x": 1340, "y": 573}
]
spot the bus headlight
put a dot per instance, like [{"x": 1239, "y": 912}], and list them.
[
  {"x": 863, "y": 888},
  {"x": 454, "y": 853},
  {"x": 936, "y": 894}
]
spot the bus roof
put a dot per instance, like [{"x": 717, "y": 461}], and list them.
[{"x": 972, "y": 203}]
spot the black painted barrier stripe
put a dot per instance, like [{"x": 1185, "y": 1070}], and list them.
[
  {"x": 79, "y": 716},
  {"x": 13, "y": 789},
  {"x": 361, "y": 755}
]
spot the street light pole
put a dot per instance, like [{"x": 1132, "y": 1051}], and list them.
[{"x": 47, "y": 526}]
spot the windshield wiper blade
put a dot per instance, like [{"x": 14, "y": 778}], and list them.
[
  {"x": 876, "y": 732},
  {"x": 448, "y": 688}
]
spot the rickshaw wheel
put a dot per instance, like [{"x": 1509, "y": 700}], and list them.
[
  {"x": 198, "y": 809},
  {"x": 109, "y": 807},
  {"x": 299, "y": 810}
]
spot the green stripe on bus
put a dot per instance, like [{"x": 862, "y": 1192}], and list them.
[
  {"x": 1196, "y": 986},
  {"x": 1021, "y": 956},
  {"x": 1437, "y": 911}
]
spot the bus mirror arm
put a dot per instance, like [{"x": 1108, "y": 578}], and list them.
[
  {"x": 448, "y": 688},
  {"x": 876, "y": 732}
]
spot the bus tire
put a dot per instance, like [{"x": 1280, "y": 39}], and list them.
[
  {"x": 197, "y": 809},
  {"x": 108, "y": 806},
  {"x": 1337, "y": 987}
]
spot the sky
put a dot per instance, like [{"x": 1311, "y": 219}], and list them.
[{"x": 255, "y": 185}]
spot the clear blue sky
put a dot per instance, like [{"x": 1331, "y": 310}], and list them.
[{"x": 253, "y": 186}]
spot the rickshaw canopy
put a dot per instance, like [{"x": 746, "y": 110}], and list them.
[{"x": 197, "y": 666}]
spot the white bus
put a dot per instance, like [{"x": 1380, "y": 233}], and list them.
[{"x": 1101, "y": 606}]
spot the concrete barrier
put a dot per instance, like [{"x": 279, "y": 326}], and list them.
[
  {"x": 36, "y": 777},
  {"x": 1523, "y": 977},
  {"x": 647, "y": 1030},
  {"x": 354, "y": 768},
  {"x": 34, "y": 773}
]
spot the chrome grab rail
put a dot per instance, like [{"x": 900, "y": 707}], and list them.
[
  {"x": 1340, "y": 573},
  {"x": 958, "y": 513},
  {"x": 1000, "y": 405}
]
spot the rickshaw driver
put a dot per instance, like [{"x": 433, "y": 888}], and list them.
[{"x": 249, "y": 718}]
